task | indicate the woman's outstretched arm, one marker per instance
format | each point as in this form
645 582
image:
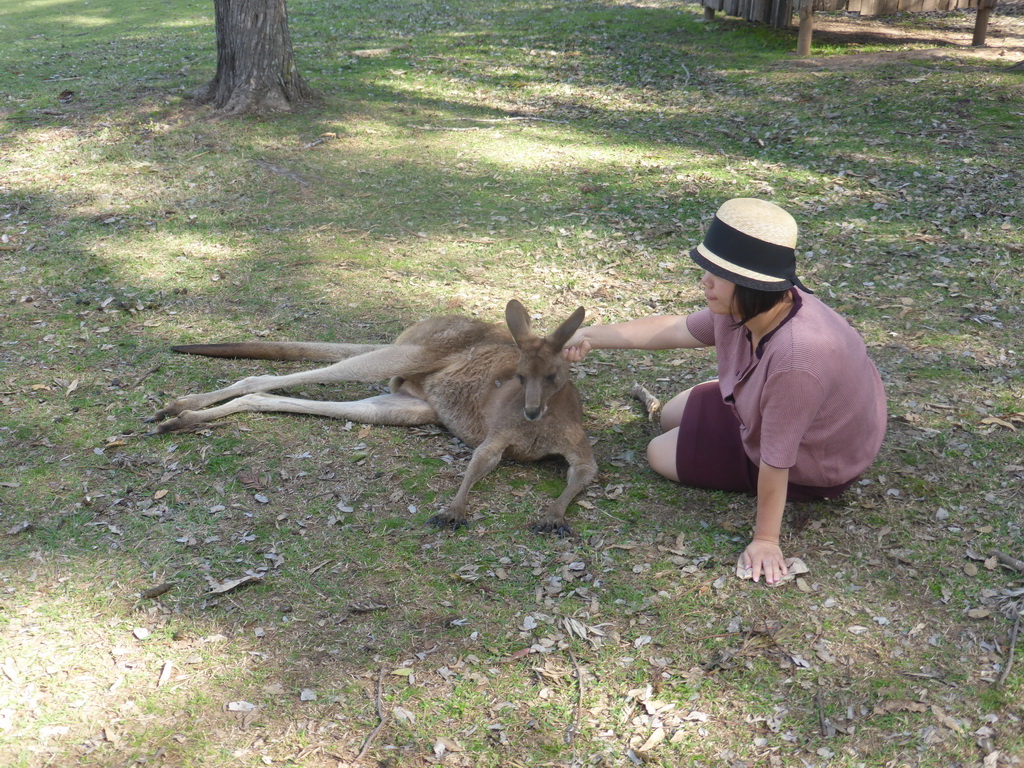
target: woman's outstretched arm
654 332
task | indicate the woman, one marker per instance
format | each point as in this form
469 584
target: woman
798 409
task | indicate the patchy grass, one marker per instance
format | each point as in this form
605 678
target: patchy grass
567 154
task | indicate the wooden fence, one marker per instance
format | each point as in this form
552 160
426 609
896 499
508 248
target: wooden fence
779 13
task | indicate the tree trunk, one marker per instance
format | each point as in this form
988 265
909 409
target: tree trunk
256 69
803 39
981 21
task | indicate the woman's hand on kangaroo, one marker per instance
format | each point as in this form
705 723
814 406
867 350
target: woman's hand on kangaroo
577 348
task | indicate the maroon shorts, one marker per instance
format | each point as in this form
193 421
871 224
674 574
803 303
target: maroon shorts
709 450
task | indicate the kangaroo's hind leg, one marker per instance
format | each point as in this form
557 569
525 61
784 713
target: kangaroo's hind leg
398 410
384 363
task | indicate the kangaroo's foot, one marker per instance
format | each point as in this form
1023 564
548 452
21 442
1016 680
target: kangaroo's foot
164 413
183 420
449 519
181 405
549 524
247 386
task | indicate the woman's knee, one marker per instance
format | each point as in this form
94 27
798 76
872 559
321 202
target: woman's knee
661 454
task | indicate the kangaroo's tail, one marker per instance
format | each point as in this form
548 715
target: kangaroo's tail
280 350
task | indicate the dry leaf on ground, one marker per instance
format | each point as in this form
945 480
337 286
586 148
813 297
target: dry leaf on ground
220 587
899 705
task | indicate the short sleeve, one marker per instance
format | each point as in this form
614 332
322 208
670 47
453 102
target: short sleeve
790 401
701 325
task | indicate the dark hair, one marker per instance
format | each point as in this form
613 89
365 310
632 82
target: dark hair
748 303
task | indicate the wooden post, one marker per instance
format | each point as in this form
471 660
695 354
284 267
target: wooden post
803 40
709 13
981 22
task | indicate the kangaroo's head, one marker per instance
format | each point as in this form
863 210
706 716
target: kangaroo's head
542 369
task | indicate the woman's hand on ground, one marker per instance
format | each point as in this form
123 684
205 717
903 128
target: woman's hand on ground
765 557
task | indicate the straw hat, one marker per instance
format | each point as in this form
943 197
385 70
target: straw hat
751 243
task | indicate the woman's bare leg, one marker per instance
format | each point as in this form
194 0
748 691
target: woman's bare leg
661 451
672 411
661 454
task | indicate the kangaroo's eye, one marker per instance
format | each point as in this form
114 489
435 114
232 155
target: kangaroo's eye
551 378
522 379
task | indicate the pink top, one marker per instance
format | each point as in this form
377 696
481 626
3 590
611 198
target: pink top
809 399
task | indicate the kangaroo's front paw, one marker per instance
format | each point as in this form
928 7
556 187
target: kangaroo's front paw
448 520
553 525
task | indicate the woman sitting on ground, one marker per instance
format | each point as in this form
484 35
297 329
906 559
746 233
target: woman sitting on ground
798 410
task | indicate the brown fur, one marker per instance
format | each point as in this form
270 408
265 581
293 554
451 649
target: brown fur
504 391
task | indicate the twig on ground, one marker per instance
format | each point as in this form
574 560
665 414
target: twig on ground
464 61
487 121
146 375
414 234
316 568
288 174
1011 648
951 130
155 592
926 676
380 717
706 582
1010 562
573 729
822 723
513 118
651 404
436 128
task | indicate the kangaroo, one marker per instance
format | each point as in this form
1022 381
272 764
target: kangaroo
502 390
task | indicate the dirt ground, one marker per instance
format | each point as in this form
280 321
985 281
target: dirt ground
950 34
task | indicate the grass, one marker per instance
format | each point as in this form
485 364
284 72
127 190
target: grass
567 154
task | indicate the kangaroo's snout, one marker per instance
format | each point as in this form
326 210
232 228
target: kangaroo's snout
534 412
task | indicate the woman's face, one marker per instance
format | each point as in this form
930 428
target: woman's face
718 293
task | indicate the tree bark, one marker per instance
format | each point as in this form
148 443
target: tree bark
256 69
981 21
803 39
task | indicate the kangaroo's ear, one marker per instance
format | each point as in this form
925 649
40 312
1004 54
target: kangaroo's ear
564 332
518 320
